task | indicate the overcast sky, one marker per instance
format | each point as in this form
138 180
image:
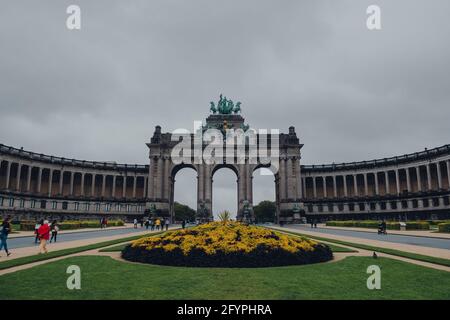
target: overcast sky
98 92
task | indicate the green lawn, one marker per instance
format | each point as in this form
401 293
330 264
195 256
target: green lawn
405 254
105 278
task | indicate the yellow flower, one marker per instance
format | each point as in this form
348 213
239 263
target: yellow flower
226 237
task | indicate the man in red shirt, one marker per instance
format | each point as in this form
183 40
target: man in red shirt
44 235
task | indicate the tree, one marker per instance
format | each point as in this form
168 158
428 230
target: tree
183 212
265 211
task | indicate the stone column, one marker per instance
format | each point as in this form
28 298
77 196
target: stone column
208 182
134 186
61 182
397 181
151 182
50 182
167 178
200 185
114 187
439 175
208 187
366 186
289 187
29 179
282 178
355 185
8 174
159 179
335 187
419 179
429 176
314 187
324 185
345 185
448 173
124 186
408 180
386 178
82 184
19 172
39 184
249 181
103 184
93 185
299 179
72 177
377 187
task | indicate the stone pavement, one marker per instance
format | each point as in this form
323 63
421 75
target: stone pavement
20 234
434 252
34 249
416 233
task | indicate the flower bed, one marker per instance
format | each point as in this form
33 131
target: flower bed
230 244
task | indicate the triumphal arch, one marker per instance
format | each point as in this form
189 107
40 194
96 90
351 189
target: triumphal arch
225 140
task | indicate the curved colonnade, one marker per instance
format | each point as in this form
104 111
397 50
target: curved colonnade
35 185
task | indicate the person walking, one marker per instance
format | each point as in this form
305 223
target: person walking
166 223
54 228
152 224
36 228
183 224
5 230
162 223
147 224
44 235
157 224
135 223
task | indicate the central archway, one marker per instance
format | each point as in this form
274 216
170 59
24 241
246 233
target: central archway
225 190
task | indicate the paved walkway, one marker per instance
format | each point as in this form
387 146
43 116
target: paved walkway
362 238
418 233
422 241
81 239
28 241
21 234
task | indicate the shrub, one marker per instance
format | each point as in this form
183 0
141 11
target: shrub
417 225
444 227
437 222
72 225
391 225
230 244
